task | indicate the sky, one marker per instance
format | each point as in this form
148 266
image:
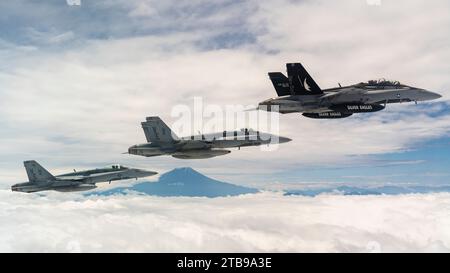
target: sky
77 80
78 77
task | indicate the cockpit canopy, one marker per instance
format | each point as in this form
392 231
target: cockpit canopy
380 83
383 82
248 131
240 133
118 167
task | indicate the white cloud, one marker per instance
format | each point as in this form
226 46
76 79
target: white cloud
265 222
49 37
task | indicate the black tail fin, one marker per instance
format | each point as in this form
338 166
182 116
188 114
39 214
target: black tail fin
300 81
281 83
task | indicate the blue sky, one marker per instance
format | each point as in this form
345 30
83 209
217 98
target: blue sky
76 81
426 165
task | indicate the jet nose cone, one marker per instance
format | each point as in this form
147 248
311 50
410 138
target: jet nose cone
148 173
432 96
284 139
152 173
437 96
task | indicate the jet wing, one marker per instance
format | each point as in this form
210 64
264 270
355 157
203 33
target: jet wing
329 97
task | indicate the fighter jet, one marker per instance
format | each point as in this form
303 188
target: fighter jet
41 180
162 141
299 93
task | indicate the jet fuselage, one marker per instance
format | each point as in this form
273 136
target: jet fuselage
206 145
352 99
299 93
41 180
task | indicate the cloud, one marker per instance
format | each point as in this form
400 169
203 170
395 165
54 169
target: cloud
119 19
267 222
39 37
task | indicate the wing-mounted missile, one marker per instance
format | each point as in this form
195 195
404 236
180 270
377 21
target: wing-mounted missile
357 108
327 115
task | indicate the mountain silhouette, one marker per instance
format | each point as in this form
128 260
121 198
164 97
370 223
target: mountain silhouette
183 182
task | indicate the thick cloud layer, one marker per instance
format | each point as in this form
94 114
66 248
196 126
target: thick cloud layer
264 222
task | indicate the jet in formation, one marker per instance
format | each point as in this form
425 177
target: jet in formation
41 180
299 93
162 141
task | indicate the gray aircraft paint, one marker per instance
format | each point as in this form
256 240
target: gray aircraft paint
39 179
298 93
162 141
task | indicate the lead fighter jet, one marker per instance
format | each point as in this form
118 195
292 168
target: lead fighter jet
299 93
162 141
41 180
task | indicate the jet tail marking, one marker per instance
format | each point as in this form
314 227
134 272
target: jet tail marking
36 173
156 130
300 82
280 83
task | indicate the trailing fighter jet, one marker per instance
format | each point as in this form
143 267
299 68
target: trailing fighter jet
300 93
41 180
162 141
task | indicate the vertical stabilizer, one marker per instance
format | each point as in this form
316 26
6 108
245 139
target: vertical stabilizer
156 130
36 173
300 82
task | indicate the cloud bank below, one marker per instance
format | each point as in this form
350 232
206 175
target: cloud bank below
266 222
